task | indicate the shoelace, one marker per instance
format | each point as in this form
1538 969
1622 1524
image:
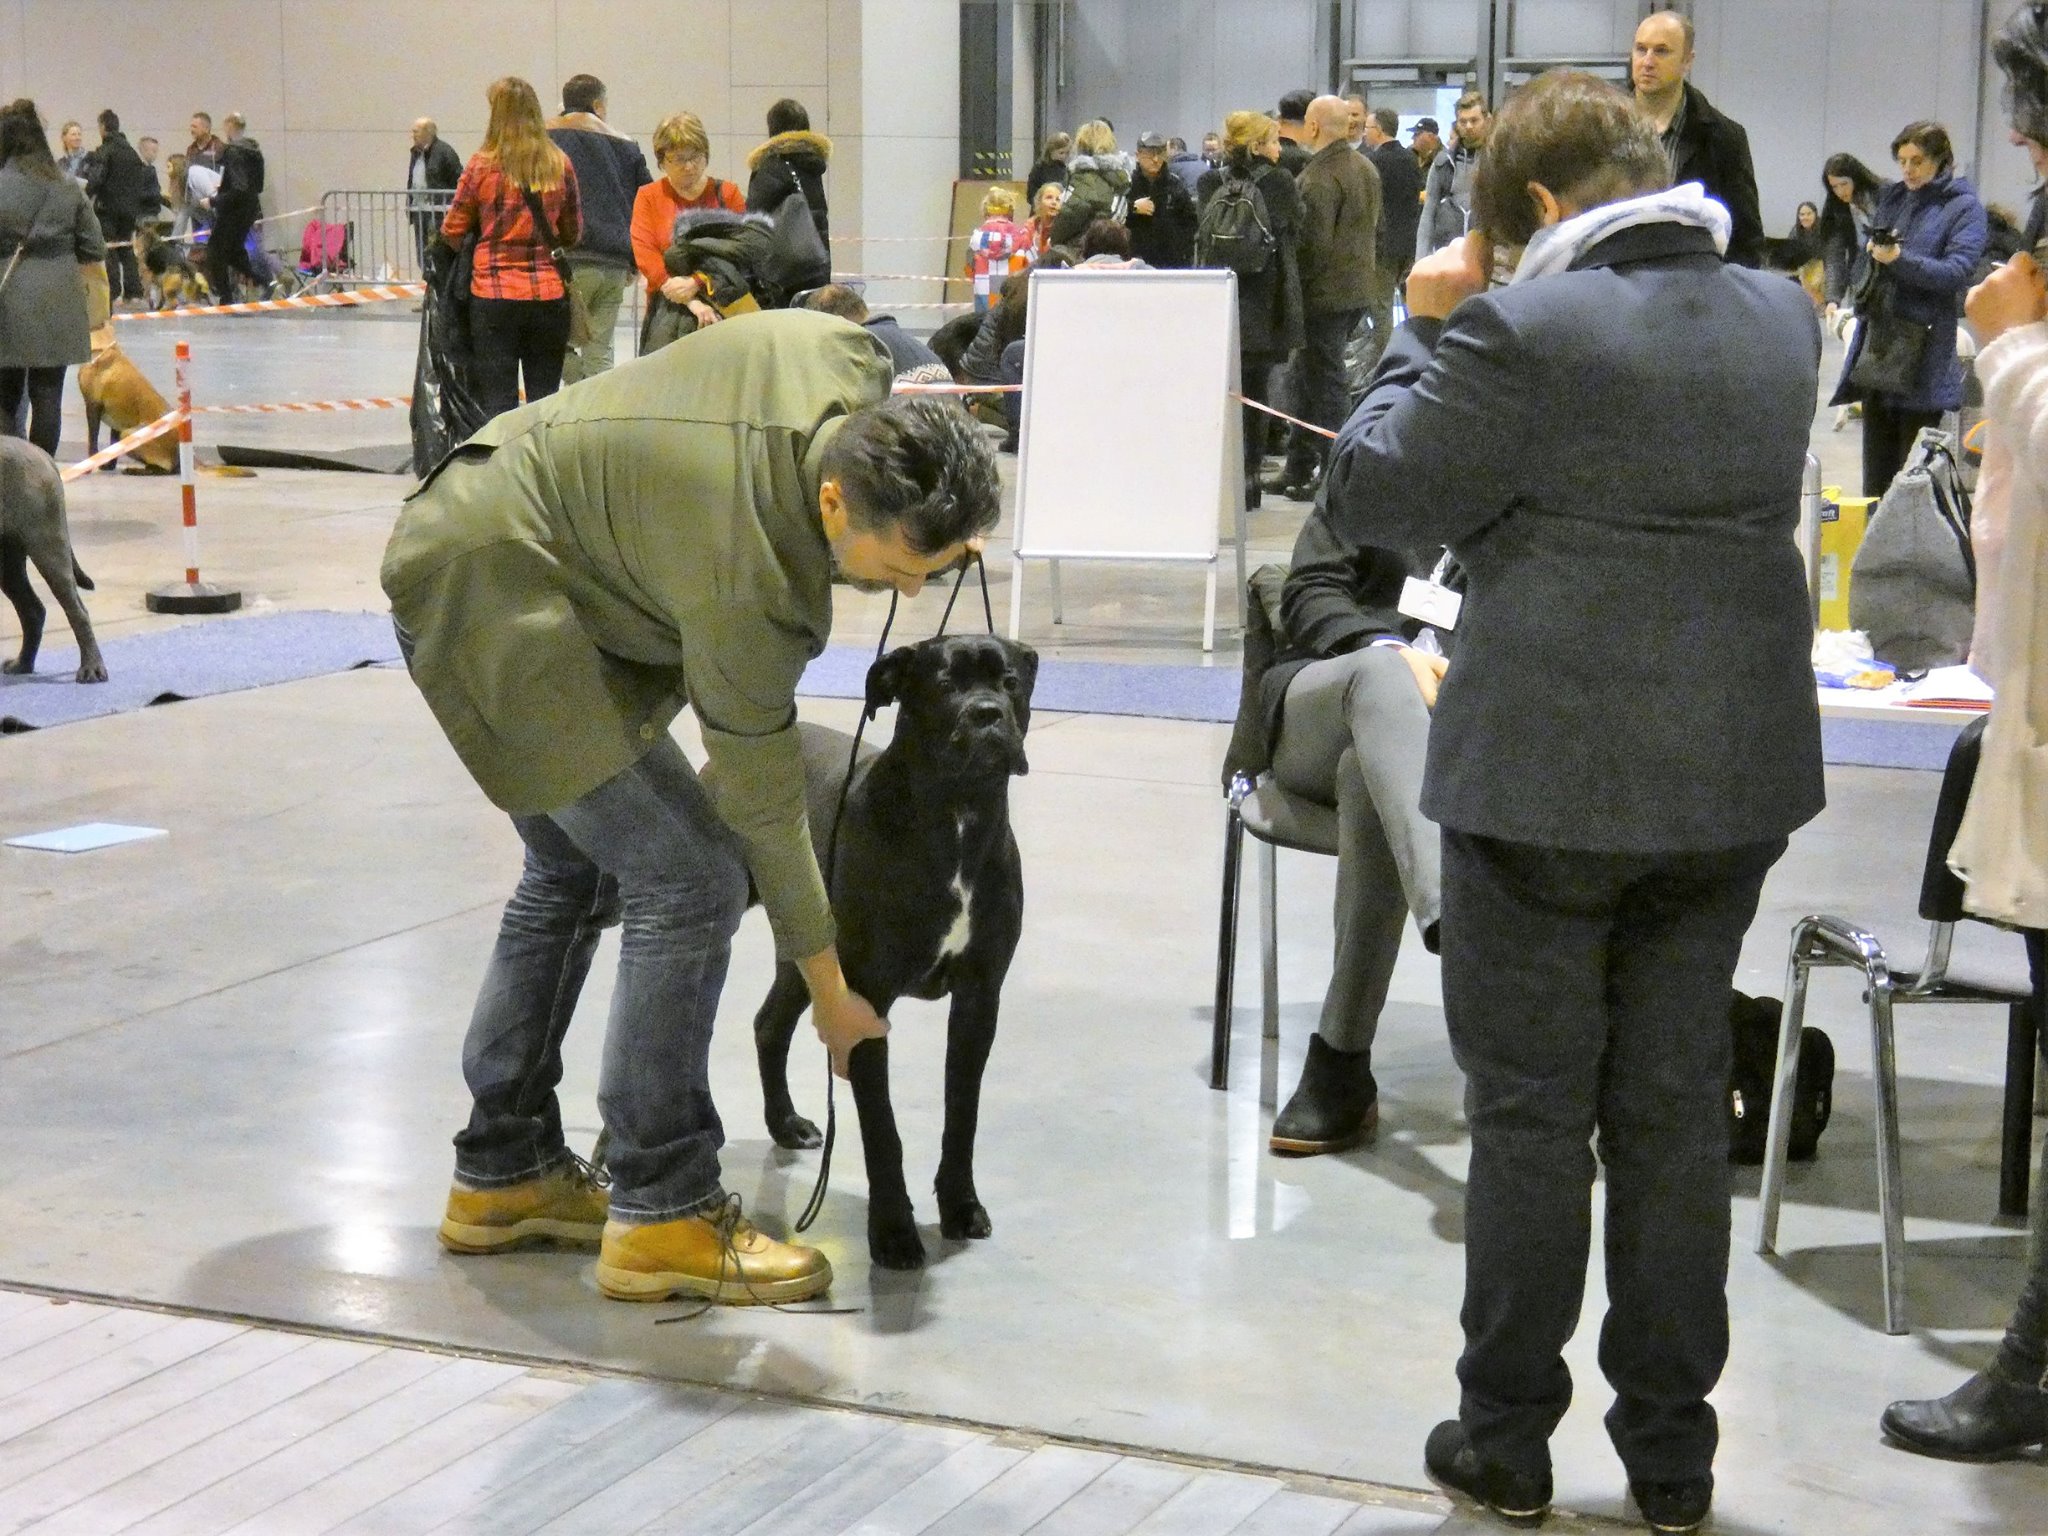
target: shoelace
730 1220
591 1170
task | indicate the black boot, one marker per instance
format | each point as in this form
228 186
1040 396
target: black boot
1984 1419
1335 1105
1674 1507
1519 1498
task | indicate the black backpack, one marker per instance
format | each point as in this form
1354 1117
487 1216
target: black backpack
1754 1022
1234 231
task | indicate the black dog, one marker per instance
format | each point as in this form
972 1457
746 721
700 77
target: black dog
929 895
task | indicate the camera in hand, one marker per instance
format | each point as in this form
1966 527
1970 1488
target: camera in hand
1883 234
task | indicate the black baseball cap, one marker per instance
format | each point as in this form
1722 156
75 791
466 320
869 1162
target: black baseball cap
1426 125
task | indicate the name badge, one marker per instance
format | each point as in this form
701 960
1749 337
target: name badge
1436 606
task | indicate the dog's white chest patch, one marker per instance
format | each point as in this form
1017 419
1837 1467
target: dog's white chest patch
957 937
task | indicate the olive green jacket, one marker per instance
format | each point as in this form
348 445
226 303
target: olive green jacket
586 565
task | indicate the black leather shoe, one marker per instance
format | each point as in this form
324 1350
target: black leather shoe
1336 1104
1680 1506
1296 487
1520 1498
1982 1420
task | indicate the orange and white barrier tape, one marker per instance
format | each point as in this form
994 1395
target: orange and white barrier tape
168 422
898 239
958 389
307 407
896 277
344 300
1292 421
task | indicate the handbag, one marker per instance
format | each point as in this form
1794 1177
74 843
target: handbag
797 259
1753 1023
1888 363
1913 584
579 310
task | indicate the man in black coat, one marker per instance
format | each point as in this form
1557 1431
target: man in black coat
1705 145
433 166
1400 212
236 208
119 184
1612 447
1162 209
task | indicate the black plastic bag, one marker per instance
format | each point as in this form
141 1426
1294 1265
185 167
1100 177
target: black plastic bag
445 412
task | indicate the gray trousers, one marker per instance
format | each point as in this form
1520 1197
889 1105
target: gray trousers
1354 734
603 290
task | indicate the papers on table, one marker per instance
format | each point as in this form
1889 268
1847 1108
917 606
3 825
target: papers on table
86 838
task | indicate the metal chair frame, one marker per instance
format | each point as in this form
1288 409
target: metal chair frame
1823 941
1234 830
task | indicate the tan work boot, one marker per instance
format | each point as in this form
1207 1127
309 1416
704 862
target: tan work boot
567 1204
719 1255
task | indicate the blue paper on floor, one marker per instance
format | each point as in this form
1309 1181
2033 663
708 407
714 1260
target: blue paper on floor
217 656
86 838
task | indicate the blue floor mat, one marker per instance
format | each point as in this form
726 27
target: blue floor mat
227 655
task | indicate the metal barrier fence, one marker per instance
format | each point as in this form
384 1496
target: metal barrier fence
386 232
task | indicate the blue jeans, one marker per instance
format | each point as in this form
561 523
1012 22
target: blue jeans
647 847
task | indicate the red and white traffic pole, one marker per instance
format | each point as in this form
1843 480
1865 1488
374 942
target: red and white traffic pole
192 595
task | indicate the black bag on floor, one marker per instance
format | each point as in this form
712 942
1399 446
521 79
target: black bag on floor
445 412
1755 1022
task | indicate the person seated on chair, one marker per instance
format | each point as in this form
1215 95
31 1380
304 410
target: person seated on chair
1347 703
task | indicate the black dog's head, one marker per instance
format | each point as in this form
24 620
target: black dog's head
965 701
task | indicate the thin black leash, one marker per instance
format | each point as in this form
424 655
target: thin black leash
816 1204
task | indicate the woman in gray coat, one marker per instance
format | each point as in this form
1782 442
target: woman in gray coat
45 326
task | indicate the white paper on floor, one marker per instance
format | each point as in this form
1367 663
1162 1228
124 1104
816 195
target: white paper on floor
86 838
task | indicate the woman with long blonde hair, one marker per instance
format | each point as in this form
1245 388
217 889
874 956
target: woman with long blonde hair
518 196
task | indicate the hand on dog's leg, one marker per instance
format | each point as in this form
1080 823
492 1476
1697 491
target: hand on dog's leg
970 1032
893 1241
774 1026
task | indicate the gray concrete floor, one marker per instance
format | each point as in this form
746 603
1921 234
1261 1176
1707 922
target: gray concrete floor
229 1068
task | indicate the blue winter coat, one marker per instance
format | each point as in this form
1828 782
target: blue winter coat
1942 234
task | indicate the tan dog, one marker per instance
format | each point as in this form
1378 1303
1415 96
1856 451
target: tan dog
116 393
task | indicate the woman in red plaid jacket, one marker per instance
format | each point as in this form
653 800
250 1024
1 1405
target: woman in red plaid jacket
519 303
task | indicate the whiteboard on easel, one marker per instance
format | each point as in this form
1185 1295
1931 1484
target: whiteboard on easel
1130 445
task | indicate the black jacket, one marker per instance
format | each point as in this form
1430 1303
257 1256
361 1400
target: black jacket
791 162
1340 596
1632 672
1400 204
1294 155
1166 236
1269 312
241 173
444 166
119 186
1041 173
1713 150
610 171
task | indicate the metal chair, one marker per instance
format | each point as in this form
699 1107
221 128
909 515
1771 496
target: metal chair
1822 941
1275 819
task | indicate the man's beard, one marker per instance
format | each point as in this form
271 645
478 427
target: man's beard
858 583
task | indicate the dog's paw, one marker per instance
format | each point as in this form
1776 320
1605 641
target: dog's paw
893 1243
795 1132
968 1218
93 672
16 667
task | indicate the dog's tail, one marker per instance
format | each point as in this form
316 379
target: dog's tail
83 581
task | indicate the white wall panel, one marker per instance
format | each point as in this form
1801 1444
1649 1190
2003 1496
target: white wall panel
374 64
674 58
777 42
13 48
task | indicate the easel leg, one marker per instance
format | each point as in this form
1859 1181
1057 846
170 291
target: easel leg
1059 607
1016 595
1209 605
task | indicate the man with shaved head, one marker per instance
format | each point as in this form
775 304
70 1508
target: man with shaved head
1705 145
435 167
1340 199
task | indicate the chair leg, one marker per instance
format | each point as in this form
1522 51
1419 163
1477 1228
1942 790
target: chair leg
1890 1185
1226 949
1778 1143
2017 1134
1269 938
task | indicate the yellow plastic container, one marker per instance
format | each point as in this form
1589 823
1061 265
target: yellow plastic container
1842 523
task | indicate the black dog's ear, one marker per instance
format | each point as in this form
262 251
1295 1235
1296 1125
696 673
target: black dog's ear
887 677
1025 660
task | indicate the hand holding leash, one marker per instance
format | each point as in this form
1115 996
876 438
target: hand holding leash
843 1020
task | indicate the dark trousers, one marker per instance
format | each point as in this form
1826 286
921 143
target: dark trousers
1888 435
44 389
2023 1357
1254 382
1588 993
1325 399
232 221
515 337
124 277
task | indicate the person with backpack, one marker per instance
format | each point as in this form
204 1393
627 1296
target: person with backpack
236 207
518 193
1250 223
1099 186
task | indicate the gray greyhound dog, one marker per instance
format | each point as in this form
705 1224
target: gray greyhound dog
33 528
